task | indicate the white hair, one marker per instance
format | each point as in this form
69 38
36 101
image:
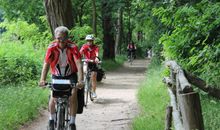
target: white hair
61 29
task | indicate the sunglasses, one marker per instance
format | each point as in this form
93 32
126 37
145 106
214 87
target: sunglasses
62 39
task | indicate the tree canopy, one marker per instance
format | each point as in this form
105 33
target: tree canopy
186 31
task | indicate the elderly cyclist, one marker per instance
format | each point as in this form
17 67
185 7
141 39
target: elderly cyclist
64 60
90 51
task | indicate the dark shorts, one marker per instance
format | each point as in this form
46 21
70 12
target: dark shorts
93 67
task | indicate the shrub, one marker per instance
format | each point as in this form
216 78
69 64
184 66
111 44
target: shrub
19 63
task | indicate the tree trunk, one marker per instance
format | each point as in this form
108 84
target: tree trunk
129 35
119 31
59 12
94 18
108 39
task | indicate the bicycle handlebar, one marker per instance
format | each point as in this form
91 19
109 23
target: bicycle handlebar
60 82
91 61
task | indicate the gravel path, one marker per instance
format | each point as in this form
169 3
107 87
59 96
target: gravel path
115 105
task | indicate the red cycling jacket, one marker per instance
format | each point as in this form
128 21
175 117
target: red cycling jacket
62 61
90 51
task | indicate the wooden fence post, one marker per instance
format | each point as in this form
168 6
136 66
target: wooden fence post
177 123
191 111
168 120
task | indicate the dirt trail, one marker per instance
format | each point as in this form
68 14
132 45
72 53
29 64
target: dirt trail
115 105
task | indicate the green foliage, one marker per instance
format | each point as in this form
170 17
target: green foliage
78 35
193 38
149 25
19 63
21 31
29 11
20 104
18 30
153 98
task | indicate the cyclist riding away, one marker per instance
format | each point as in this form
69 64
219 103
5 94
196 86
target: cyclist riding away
131 48
90 51
64 60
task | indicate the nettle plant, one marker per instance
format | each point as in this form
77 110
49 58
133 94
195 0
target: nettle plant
193 39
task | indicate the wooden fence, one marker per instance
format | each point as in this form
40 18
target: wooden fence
185 107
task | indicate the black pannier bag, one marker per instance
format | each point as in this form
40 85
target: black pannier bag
100 74
80 98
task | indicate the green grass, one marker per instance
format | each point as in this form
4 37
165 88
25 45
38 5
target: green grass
210 112
20 104
110 65
153 99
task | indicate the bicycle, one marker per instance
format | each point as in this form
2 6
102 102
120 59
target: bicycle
131 57
87 81
62 91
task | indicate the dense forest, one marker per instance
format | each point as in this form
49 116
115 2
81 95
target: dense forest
181 30
186 31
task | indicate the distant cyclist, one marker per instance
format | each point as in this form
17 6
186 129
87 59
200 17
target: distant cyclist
90 51
131 48
64 60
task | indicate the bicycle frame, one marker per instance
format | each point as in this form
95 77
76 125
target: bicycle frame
62 105
131 57
88 87
87 80
62 113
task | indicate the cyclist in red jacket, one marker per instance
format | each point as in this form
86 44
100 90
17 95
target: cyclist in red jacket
64 60
90 51
131 48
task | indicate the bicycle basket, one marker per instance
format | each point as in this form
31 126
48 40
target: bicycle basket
61 88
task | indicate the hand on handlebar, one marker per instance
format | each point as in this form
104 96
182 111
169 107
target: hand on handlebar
92 61
97 60
80 84
42 83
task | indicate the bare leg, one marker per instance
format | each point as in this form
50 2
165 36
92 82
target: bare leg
73 102
52 107
94 81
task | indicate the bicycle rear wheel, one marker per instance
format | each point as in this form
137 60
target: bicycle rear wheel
60 118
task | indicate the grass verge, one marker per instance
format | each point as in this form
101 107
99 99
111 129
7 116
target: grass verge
153 99
20 104
110 64
210 112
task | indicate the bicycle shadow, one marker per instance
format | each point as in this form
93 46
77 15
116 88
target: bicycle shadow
107 101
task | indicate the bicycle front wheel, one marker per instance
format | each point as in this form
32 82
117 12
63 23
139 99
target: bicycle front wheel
86 92
60 118
90 91
131 59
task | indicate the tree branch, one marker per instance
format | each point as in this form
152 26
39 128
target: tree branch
198 82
